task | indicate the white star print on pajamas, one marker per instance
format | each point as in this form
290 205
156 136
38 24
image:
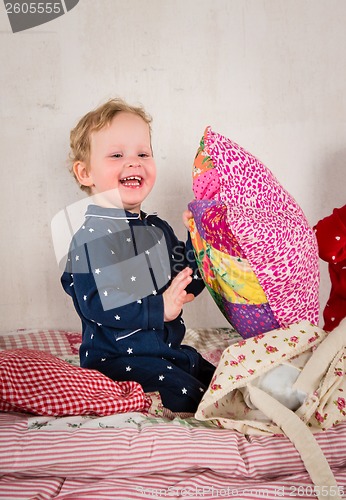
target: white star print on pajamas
114 266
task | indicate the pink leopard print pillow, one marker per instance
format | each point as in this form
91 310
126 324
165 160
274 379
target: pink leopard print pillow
255 249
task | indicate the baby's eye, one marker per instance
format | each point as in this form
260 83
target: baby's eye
143 155
116 155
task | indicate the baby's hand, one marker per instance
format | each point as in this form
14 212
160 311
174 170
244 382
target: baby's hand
187 215
176 296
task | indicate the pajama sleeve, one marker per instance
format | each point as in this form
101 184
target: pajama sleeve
183 256
112 290
197 284
145 313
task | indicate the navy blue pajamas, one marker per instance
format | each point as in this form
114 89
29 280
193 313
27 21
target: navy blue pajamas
118 266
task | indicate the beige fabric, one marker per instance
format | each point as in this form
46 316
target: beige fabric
321 359
311 454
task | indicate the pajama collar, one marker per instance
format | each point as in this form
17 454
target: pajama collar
114 213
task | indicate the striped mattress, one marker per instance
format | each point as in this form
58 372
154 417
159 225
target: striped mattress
140 456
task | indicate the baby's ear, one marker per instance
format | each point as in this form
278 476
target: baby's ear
82 173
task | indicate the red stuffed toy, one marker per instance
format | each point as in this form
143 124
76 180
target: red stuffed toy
331 238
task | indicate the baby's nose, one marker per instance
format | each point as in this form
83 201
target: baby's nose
133 162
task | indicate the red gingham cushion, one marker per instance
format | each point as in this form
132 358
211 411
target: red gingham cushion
39 383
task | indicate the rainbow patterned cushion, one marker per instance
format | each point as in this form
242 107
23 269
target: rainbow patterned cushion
255 249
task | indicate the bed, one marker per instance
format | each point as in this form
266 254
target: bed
147 454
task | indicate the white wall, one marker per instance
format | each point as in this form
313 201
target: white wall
270 74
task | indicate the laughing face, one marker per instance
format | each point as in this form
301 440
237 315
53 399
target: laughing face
121 170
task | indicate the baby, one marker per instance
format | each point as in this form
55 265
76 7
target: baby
127 273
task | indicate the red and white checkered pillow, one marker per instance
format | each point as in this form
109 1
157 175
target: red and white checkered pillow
38 382
61 343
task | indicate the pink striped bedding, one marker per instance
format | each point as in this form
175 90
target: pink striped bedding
137 456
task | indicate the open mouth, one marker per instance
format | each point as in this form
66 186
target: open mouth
131 181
